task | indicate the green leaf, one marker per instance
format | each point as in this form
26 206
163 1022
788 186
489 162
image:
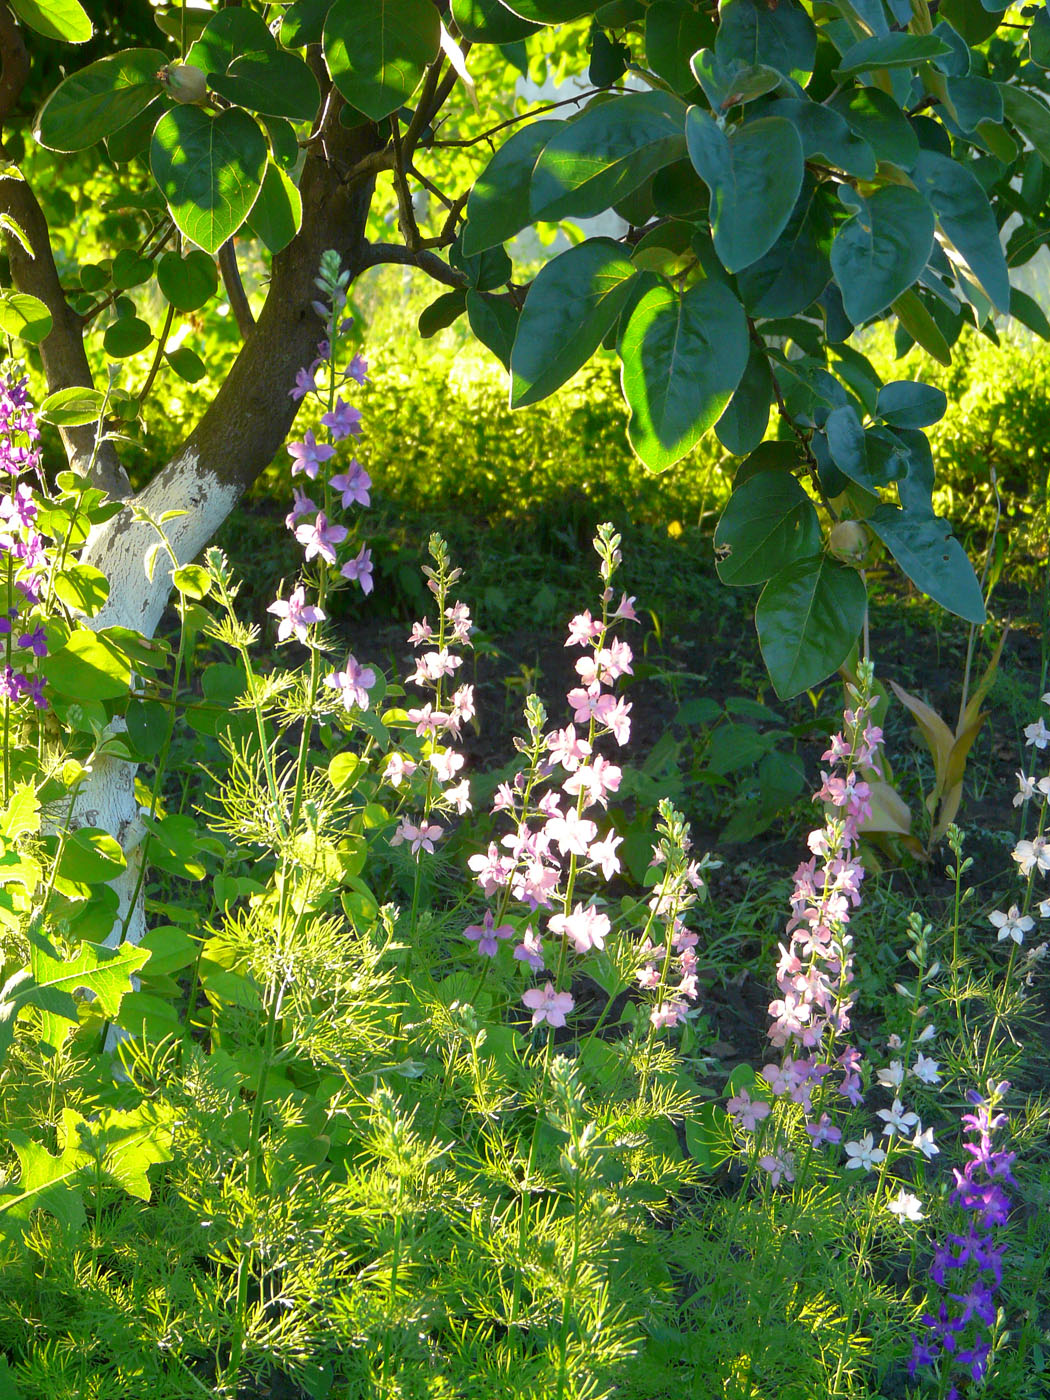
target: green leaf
64 20
498 203
932 558
754 177
881 249
826 136
877 119
274 84
920 325
673 33
90 856
551 11
907 404
574 301
376 53
128 336
490 22
781 36
709 1137
1030 115
808 618
871 457
590 163
72 408
683 356
743 424
768 524
890 51
495 323
975 100
209 170
734 83
130 270
485 271
448 307
233 31
187 364
303 23
792 275
82 587
192 580
99 99
965 215
189 282
24 317
88 666
277 214
1029 313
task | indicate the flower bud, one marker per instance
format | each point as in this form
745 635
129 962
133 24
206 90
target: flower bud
848 541
184 82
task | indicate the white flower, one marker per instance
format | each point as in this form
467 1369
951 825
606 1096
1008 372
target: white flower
925 1143
894 1042
1013 924
1025 789
892 1077
905 1206
927 1071
1032 854
1043 908
864 1154
927 1033
897 1120
1037 734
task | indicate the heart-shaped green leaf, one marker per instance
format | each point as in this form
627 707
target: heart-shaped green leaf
209 170
100 99
807 619
377 52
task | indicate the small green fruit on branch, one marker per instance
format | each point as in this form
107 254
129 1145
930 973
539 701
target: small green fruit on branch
849 541
184 82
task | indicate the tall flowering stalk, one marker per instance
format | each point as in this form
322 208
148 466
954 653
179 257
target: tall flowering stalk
815 971
24 560
967 1266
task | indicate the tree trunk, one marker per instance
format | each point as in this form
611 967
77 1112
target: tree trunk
236 439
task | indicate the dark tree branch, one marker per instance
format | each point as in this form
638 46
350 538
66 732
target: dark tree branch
65 362
15 61
377 254
235 293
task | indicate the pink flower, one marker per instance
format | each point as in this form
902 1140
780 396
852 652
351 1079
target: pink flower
399 767
353 484
667 1014
353 683
320 537
491 870
459 796
778 1164
583 629
625 609
446 764
301 505
530 950
596 780
566 749
487 933
418 837
343 421
603 854
548 1005
747 1112
304 384
309 454
427 720
296 615
587 927
421 632
572 832
360 570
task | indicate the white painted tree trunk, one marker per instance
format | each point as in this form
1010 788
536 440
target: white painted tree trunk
120 548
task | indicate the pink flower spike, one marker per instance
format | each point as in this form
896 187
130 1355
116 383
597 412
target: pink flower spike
548 1005
360 570
296 615
319 537
309 454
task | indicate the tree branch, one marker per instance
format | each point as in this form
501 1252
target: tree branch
65 362
377 254
15 62
235 293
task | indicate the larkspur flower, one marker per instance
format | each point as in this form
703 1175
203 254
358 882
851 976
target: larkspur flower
748 1112
905 1206
296 615
353 683
1013 924
308 455
530 950
863 1155
359 570
548 1005
487 934
319 537
343 421
418 838
353 485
